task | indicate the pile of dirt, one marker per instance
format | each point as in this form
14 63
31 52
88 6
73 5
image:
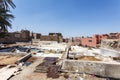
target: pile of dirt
89 58
44 66
8 59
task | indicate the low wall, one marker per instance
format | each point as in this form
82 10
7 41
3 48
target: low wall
92 67
109 52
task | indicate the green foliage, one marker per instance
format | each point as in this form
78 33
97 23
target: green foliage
6 4
5 16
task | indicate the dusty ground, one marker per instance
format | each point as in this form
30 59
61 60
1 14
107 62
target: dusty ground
29 74
8 59
82 76
89 58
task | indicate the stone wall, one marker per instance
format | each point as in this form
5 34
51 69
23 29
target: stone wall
12 37
103 69
50 37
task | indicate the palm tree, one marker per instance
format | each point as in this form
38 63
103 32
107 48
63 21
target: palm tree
5 15
5 19
6 4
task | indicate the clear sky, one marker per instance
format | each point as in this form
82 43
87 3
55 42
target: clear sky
70 17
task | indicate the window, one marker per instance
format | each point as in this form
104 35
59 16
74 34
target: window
90 40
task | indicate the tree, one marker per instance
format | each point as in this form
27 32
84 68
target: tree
5 14
5 19
6 4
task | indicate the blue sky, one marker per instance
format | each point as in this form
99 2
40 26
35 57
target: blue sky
70 17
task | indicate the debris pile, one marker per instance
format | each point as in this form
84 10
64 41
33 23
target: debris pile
49 66
53 71
113 44
43 67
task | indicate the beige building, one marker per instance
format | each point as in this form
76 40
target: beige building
50 37
12 37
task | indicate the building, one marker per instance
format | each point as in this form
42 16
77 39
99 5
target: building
12 37
111 36
50 37
95 40
77 40
35 35
91 41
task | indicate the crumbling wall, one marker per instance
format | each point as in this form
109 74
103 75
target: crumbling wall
113 44
97 68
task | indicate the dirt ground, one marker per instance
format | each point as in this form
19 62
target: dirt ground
8 59
28 74
89 58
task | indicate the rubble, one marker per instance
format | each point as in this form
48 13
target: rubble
45 65
71 64
113 44
53 71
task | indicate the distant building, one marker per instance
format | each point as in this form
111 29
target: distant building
77 40
50 37
70 40
65 40
104 36
91 41
95 40
35 35
12 37
111 36
25 34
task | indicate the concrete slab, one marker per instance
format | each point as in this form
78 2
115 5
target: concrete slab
6 72
103 69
